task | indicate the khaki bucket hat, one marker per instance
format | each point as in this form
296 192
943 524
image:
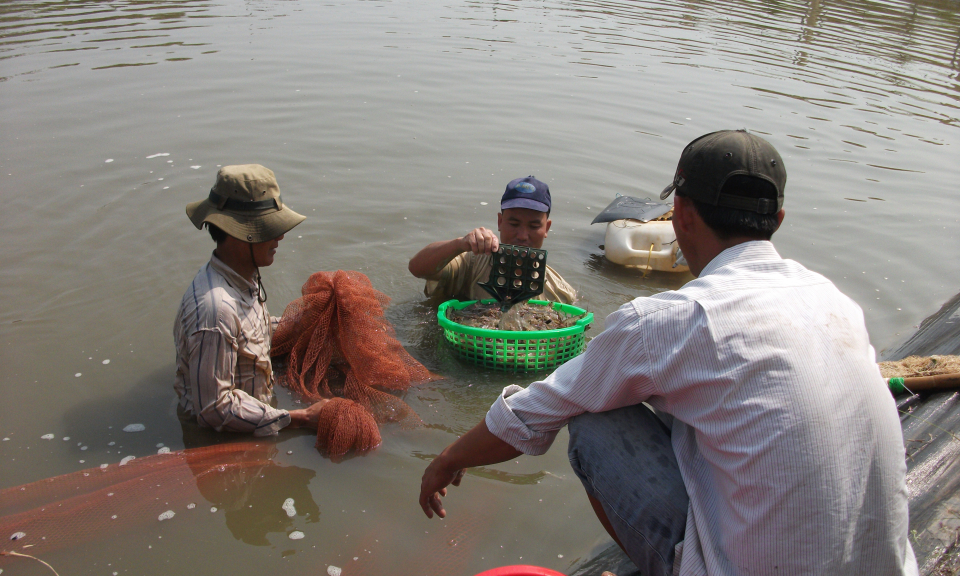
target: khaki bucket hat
245 203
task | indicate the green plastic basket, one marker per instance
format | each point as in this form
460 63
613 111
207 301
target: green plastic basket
515 350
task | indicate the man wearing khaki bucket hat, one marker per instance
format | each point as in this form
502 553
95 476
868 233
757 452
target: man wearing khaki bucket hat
223 331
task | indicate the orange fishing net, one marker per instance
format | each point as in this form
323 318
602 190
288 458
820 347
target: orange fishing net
334 342
101 502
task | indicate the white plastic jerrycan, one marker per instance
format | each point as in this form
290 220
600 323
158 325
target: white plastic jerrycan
646 245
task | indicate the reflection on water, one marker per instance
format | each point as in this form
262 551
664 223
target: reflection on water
392 124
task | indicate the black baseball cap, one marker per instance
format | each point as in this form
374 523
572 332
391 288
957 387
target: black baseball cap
526 193
709 161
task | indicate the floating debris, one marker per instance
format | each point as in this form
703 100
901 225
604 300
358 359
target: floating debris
289 508
296 535
213 508
134 428
17 536
191 506
47 437
66 438
523 316
77 375
163 450
126 459
166 515
157 155
334 570
103 466
107 361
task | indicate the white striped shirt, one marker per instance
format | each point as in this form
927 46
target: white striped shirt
787 439
222 334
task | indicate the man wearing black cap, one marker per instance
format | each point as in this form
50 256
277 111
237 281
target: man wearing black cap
452 268
223 330
773 445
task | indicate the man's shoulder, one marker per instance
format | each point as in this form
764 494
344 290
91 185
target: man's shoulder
208 301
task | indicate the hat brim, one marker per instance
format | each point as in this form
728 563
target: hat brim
253 227
524 203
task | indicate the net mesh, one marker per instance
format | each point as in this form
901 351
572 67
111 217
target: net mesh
334 342
101 502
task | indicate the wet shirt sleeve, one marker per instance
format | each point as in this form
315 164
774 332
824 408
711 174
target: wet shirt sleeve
212 362
610 374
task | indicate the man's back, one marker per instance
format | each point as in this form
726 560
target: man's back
787 440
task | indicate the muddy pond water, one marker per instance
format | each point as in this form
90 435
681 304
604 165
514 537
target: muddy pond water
391 124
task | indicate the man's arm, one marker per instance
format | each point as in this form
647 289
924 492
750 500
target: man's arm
427 263
478 447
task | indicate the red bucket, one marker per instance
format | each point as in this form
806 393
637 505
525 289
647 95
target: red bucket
520 570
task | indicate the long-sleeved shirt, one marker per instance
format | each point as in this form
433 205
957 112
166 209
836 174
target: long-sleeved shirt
787 439
222 335
458 279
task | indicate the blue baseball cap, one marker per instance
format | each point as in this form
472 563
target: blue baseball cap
526 193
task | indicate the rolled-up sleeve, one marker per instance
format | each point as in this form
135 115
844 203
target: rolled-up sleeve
212 362
610 374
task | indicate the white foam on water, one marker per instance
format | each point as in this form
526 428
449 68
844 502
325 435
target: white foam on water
103 466
66 438
483 203
78 374
213 508
333 570
166 515
157 155
134 428
84 447
296 535
82 461
17 535
163 450
114 517
106 361
111 443
6 439
191 506
195 167
289 508
126 459
47 437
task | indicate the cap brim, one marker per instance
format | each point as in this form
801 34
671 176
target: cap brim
524 203
250 227
666 191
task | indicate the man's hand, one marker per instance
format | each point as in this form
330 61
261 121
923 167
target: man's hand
307 417
480 241
478 447
434 484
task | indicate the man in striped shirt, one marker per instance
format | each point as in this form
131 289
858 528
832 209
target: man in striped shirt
773 446
223 331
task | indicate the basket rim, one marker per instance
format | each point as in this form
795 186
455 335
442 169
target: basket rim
577 328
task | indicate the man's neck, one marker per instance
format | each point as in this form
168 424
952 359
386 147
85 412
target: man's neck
238 257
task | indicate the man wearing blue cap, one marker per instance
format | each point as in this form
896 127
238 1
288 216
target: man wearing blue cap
452 268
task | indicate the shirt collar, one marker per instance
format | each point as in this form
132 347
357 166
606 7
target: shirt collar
743 252
234 279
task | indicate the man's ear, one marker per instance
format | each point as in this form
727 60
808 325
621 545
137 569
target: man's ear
683 213
546 228
779 219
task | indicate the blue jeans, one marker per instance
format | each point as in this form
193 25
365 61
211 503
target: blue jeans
625 460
